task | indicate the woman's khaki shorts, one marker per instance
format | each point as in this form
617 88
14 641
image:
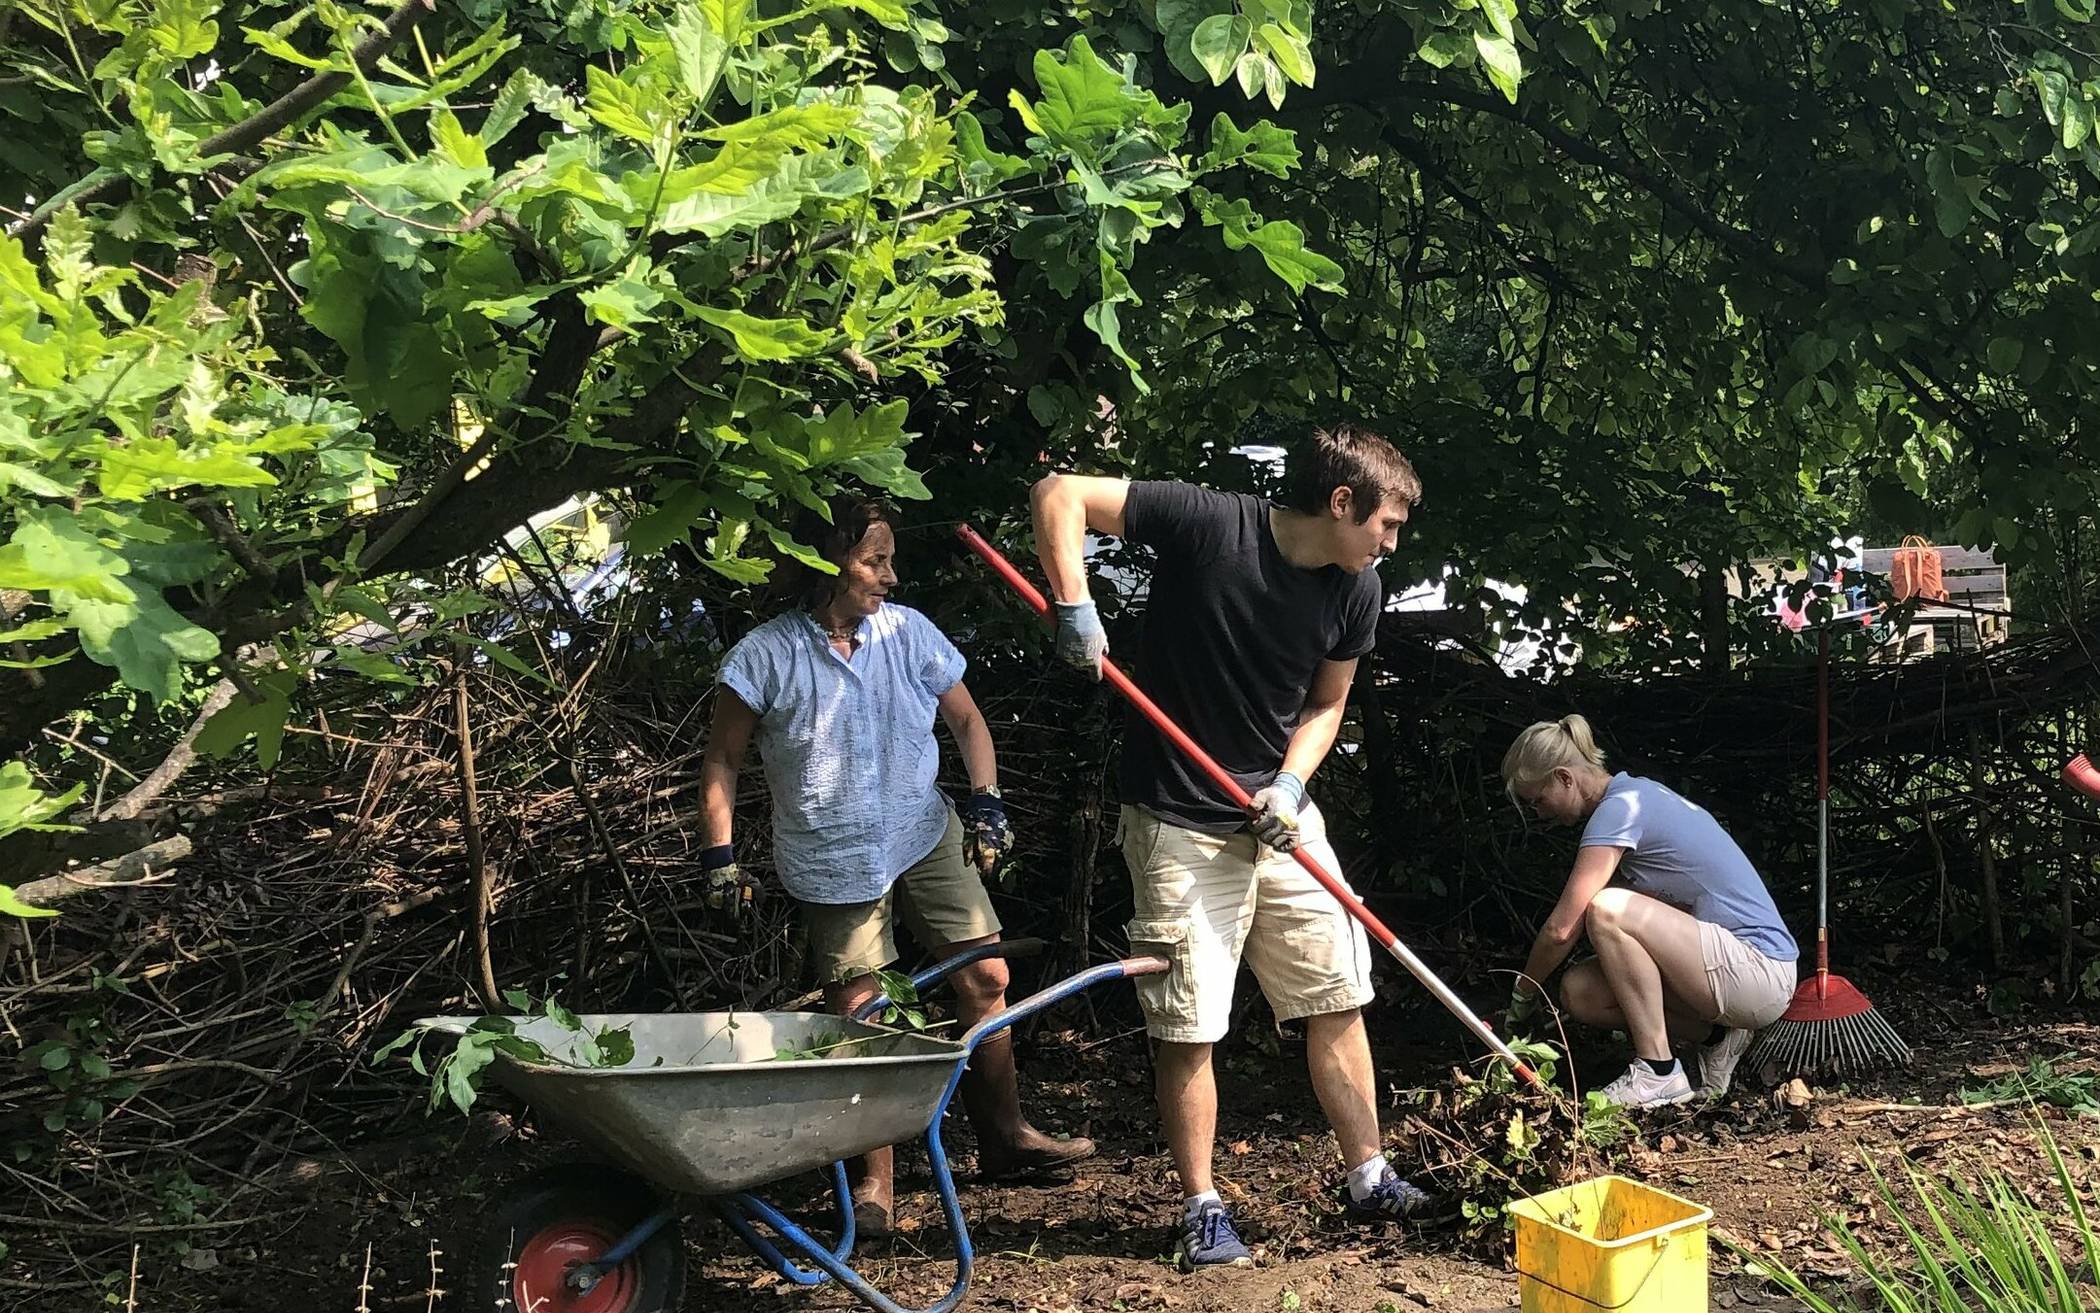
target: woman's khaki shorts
940 899
1750 989
1204 899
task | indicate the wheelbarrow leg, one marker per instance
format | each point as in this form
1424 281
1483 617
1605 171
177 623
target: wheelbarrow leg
733 1210
834 1264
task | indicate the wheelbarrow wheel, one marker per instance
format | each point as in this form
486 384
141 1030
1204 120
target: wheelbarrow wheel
566 1216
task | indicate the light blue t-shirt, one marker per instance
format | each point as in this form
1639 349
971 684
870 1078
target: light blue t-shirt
1677 852
848 747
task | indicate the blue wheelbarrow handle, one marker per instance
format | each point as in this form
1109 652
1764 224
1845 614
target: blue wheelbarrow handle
940 971
1126 969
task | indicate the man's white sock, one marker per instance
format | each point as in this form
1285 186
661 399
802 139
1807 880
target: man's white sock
1363 1178
1194 1203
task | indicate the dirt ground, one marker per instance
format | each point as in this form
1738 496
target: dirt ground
372 1225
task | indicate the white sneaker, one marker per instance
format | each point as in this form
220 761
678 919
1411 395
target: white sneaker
1642 1088
1717 1061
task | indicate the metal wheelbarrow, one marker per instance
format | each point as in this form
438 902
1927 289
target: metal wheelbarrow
715 1104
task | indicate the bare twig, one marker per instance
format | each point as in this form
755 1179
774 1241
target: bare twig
175 763
477 858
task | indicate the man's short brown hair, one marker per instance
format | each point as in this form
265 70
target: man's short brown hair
1350 455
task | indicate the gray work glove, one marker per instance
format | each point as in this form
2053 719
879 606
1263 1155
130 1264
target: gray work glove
1081 641
1274 812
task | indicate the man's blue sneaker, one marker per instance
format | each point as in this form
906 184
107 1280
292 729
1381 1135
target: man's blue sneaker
1208 1240
1395 1198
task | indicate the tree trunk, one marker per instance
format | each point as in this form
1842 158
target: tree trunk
1713 617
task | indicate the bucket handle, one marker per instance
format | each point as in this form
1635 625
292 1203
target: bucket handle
1662 1243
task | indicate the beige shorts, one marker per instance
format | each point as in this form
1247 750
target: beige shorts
1202 900
940 899
1750 989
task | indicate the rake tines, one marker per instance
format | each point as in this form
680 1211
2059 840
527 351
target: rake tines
1829 1028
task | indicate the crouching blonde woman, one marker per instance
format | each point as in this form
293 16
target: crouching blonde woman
1688 944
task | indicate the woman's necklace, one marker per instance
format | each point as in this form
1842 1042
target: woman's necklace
840 634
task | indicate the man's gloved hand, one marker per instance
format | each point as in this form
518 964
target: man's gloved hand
1081 641
724 887
1523 1006
1274 812
987 837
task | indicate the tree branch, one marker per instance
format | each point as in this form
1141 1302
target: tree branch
133 868
174 764
106 184
1745 245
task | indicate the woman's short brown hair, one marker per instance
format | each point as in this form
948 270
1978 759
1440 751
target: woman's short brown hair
852 516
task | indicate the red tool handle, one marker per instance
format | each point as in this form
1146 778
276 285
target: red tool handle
2082 775
1224 780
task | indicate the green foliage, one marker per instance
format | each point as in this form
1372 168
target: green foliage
2043 1082
904 1006
76 1068
696 253
1974 1241
24 806
456 1075
1487 1142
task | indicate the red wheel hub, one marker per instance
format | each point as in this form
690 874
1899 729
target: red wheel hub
540 1281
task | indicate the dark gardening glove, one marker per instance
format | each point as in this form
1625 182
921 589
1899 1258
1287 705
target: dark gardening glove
987 837
724 887
1081 641
1273 813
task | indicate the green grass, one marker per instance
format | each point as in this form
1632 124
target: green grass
1980 1246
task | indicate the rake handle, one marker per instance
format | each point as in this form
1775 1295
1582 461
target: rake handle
1823 813
1232 789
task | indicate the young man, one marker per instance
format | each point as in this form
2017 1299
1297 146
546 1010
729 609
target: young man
1257 616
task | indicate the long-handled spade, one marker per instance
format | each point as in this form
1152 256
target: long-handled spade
1218 775
1830 1026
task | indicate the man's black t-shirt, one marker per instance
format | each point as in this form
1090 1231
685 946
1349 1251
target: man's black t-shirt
1233 636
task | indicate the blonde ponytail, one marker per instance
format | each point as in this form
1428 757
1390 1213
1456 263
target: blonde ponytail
1546 747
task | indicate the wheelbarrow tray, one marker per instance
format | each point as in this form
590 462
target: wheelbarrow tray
707 1107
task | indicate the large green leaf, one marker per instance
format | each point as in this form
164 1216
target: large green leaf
24 806
1265 147
846 433
629 108
51 551
1177 21
1084 100
264 720
1498 55
768 339
798 179
145 640
1218 43
701 49
669 520
136 470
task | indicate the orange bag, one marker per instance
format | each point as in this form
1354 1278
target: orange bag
1914 571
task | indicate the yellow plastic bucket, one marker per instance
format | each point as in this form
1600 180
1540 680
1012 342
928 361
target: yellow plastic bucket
1611 1243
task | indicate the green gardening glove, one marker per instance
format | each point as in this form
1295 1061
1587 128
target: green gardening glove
1523 1006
